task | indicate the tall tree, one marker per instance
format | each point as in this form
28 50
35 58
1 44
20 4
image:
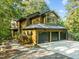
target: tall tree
72 22
72 4
15 9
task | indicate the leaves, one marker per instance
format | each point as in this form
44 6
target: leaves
15 9
72 23
72 4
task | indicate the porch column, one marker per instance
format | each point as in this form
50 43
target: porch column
19 27
44 20
39 20
34 37
37 36
66 35
12 33
50 36
59 35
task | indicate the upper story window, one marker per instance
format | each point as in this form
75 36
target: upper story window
36 21
51 18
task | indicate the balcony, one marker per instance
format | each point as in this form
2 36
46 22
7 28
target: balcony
14 25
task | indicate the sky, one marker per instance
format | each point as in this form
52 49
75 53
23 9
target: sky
58 6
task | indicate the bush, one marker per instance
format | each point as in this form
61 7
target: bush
24 39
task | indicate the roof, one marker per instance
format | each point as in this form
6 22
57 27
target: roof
44 26
29 16
41 13
36 14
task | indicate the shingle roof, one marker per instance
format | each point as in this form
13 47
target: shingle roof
41 13
37 14
29 16
44 26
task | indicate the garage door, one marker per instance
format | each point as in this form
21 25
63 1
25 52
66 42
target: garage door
54 36
43 37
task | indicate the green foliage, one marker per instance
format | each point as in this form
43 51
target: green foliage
15 9
61 22
72 23
72 4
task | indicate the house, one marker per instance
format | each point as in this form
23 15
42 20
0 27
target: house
37 26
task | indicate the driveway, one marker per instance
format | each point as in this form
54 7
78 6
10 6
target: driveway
65 47
54 50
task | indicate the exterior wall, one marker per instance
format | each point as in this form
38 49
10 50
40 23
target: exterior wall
34 36
40 19
32 21
14 34
23 24
36 20
51 18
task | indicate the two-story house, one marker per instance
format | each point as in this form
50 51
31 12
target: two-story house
37 26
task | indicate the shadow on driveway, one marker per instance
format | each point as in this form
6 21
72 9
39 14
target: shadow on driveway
55 56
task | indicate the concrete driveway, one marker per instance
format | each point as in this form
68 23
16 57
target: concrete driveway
65 47
54 50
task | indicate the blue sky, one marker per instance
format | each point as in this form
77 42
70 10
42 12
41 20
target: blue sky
58 6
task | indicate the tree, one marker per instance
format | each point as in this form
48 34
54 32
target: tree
15 9
72 4
72 22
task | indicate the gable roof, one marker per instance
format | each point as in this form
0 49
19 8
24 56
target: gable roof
44 26
36 14
29 16
48 11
